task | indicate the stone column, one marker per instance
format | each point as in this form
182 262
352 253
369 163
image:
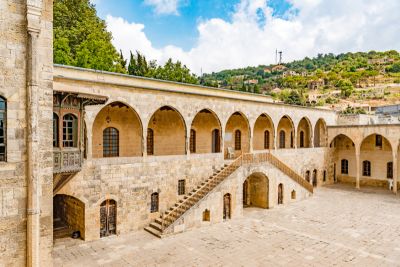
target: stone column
358 167
276 140
395 170
144 142
33 205
188 141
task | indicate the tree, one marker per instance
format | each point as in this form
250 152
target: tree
346 88
81 38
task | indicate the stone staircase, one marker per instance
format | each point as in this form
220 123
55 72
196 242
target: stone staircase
160 225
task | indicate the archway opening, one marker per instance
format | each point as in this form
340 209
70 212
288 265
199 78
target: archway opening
263 137
376 160
304 133
344 159
205 133
320 134
237 135
117 132
68 217
167 132
286 133
255 191
108 218
315 178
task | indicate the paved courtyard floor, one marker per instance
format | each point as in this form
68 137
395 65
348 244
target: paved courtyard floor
338 226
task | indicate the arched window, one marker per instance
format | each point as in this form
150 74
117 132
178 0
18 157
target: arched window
70 131
324 176
282 139
150 141
293 194
110 142
206 215
389 170
192 141
3 120
154 202
238 140
301 139
308 176
266 140
55 130
366 168
345 166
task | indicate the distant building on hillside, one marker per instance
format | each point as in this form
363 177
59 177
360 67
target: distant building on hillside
253 81
316 84
393 110
267 70
376 61
289 73
279 68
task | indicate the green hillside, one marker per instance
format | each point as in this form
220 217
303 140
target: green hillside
328 78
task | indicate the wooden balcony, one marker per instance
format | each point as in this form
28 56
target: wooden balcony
67 160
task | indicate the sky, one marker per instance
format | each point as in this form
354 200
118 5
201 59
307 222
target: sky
213 35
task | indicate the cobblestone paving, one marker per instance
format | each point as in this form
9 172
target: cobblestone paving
338 226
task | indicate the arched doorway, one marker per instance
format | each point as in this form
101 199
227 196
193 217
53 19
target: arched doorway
314 179
304 133
263 137
308 176
320 136
255 191
227 206
68 216
280 194
286 132
117 132
237 135
167 132
108 218
206 127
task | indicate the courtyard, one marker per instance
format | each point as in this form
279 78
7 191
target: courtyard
338 226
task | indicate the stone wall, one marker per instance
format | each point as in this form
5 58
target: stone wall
131 181
233 185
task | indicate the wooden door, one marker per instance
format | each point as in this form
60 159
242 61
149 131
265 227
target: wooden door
227 206
108 218
280 194
216 144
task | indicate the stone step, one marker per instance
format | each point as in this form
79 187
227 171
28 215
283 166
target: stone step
153 231
156 226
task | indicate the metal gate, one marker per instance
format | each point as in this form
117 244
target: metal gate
108 218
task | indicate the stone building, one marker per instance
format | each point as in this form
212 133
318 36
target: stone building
107 154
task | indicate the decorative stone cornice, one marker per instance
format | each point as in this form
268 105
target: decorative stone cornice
33 14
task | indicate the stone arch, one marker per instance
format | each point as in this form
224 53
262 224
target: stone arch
169 132
126 120
263 133
237 122
378 150
207 127
345 149
68 216
320 134
304 133
256 191
286 126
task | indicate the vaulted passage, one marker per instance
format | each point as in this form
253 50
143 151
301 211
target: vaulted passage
237 135
285 133
255 191
304 133
205 133
117 132
68 216
320 134
166 134
263 137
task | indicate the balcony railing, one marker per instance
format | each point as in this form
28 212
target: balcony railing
67 160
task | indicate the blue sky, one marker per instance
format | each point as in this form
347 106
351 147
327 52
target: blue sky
176 29
212 35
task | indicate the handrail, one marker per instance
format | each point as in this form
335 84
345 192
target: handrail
243 159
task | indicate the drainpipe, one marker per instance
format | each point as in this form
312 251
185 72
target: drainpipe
32 142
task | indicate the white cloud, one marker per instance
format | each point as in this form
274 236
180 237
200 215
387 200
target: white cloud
312 27
164 6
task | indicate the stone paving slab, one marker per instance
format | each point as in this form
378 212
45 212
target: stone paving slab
338 226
